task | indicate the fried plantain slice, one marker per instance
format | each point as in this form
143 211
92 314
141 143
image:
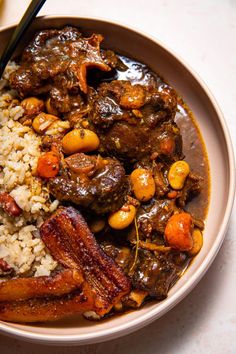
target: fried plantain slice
72 244
45 309
101 283
25 288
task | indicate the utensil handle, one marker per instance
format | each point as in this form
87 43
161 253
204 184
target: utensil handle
26 20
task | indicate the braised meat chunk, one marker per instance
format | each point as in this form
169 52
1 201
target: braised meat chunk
56 61
135 121
91 182
156 272
191 188
137 142
150 104
152 218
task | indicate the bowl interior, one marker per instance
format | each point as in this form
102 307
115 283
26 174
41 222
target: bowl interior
138 46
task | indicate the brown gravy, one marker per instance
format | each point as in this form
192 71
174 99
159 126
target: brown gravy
193 144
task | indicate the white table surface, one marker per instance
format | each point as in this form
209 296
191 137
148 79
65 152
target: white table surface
203 32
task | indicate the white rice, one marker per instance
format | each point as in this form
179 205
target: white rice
20 244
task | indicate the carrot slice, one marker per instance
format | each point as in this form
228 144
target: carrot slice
178 231
48 165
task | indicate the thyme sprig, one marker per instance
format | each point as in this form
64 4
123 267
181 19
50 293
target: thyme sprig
136 246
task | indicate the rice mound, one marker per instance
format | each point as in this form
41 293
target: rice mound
20 243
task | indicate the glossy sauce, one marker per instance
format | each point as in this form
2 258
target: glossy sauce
193 145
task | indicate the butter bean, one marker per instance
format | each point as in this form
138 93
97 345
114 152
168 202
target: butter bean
97 225
58 127
122 218
42 122
143 184
80 140
32 105
178 173
197 242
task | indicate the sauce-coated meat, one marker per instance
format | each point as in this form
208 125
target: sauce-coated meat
135 121
154 272
121 100
157 272
91 182
154 216
58 59
136 142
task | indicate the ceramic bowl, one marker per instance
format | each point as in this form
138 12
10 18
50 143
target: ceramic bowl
212 125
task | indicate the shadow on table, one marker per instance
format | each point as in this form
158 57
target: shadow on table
165 335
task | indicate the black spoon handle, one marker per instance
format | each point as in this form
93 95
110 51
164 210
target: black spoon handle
26 20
